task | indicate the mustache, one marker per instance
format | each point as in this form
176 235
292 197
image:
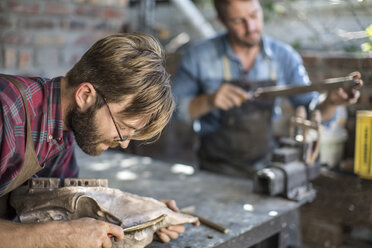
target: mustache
110 144
114 145
251 32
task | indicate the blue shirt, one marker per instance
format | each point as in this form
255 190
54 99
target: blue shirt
201 71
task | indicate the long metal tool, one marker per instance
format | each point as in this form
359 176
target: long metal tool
144 225
286 90
209 223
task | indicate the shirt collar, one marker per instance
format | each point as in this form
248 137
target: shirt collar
266 48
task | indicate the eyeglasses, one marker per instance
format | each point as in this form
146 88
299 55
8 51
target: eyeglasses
121 138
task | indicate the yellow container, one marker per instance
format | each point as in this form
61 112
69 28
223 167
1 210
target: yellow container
363 144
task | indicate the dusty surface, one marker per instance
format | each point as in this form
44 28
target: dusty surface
226 201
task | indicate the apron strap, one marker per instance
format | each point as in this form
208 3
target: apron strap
31 164
226 68
227 71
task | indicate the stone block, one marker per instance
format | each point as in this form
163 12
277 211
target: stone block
115 13
47 39
89 10
36 23
16 38
24 7
10 57
47 57
24 58
5 22
115 3
73 24
57 9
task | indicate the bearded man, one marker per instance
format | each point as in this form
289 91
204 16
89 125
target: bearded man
212 85
117 92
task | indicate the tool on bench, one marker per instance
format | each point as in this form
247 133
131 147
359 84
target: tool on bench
190 211
295 162
209 223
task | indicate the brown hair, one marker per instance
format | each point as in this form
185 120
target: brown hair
220 6
124 65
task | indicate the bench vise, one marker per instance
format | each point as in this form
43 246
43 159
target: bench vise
295 163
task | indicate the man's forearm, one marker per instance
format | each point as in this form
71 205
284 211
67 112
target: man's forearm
84 232
200 106
18 235
327 109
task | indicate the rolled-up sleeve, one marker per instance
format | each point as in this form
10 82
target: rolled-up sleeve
298 76
185 85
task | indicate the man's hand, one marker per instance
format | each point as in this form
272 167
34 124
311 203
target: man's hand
339 97
91 233
171 232
85 232
343 97
229 96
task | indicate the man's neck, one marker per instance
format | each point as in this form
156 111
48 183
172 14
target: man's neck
246 54
66 96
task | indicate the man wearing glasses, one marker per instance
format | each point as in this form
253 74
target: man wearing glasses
118 91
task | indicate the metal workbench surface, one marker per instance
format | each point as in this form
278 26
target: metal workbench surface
227 201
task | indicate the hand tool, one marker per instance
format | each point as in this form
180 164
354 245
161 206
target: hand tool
142 225
288 90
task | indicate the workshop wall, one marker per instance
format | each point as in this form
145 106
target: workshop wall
322 65
44 37
325 65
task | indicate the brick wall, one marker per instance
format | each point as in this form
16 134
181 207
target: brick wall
46 37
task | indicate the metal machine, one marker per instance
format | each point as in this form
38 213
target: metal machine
295 163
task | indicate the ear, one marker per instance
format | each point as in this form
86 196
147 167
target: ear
85 96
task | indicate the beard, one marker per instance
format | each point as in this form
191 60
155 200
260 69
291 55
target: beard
246 42
85 130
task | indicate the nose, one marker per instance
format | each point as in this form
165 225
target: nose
124 144
249 24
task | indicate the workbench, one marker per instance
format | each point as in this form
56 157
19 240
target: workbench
341 215
251 218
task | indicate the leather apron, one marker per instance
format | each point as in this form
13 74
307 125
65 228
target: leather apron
243 141
30 165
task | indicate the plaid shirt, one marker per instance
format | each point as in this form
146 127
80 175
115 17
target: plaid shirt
54 147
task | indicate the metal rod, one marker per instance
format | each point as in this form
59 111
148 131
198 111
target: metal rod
288 90
208 223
